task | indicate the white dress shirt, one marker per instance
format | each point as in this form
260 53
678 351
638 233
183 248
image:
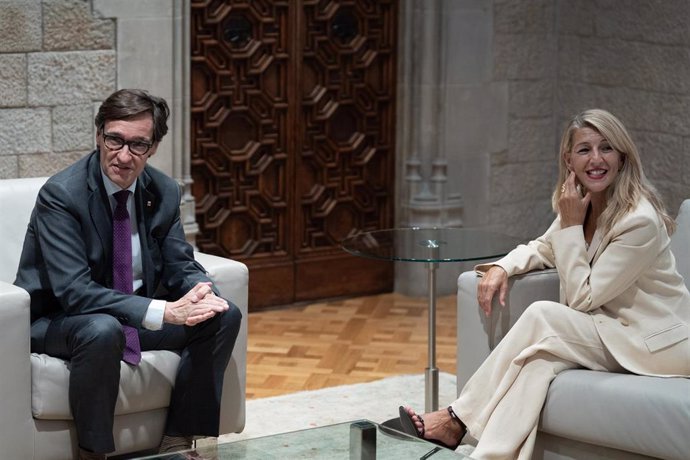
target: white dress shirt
154 314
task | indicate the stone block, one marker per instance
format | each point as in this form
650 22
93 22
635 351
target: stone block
69 25
73 128
12 80
576 17
664 113
575 97
525 16
672 195
24 130
647 66
569 59
137 9
526 219
9 168
46 164
71 77
661 155
651 21
20 26
515 182
524 56
640 110
531 139
531 98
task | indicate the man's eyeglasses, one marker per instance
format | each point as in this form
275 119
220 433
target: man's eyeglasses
137 148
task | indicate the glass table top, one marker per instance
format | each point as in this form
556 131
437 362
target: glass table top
437 244
360 439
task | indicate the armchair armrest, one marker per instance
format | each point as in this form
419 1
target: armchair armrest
232 279
15 378
477 334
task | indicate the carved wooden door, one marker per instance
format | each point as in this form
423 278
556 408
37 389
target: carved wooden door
293 110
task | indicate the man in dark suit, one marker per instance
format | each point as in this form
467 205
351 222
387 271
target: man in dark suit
82 293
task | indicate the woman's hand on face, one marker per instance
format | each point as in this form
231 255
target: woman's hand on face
572 206
495 279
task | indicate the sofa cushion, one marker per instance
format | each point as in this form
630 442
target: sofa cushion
144 387
646 415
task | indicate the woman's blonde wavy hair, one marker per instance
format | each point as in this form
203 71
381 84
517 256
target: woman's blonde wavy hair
630 184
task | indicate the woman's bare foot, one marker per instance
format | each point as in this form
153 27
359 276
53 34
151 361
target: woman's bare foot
438 426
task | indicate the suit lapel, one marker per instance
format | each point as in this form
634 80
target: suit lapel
593 249
145 202
99 207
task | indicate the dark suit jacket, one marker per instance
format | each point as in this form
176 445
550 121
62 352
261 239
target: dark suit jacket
66 262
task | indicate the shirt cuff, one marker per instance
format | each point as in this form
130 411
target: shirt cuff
154 315
481 269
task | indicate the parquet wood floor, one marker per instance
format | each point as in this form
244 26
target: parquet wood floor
345 341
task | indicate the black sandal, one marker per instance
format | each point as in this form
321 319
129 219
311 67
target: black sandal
409 427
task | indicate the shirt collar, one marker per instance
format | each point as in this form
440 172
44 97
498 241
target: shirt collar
111 187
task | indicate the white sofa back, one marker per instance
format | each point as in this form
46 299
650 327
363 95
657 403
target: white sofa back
17 199
680 241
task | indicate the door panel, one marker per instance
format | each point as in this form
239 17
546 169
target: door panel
292 140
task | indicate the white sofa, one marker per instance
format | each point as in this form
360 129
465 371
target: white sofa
35 420
587 415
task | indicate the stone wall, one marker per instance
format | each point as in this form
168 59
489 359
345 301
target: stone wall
479 149
510 74
59 59
633 58
56 62
561 57
522 175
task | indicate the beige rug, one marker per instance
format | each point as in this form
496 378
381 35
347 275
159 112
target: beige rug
376 401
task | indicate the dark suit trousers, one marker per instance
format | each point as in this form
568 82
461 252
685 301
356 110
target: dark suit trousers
94 344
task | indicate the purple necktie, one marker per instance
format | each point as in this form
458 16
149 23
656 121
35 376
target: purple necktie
122 270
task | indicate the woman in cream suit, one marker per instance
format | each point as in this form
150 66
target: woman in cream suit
623 306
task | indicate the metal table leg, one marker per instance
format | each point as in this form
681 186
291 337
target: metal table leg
431 373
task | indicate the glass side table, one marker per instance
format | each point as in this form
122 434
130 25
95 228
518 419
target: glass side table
358 439
431 246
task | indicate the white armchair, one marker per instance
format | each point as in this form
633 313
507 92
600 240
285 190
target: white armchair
587 414
35 420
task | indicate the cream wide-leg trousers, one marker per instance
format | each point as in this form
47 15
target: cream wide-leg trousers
501 402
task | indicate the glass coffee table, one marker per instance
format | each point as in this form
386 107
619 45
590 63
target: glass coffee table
431 246
357 440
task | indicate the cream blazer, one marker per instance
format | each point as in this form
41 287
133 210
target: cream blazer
627 281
